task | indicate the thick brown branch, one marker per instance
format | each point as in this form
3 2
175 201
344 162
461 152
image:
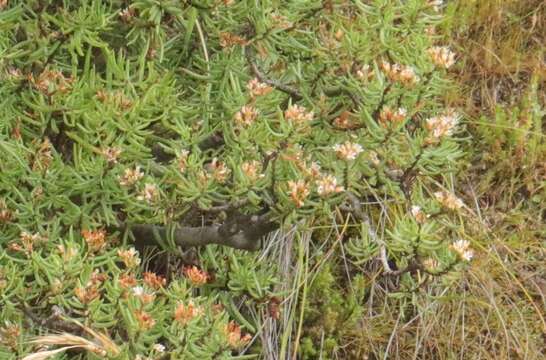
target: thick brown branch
244 233
226 207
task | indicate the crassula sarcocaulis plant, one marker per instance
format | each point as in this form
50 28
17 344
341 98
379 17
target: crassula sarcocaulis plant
181 124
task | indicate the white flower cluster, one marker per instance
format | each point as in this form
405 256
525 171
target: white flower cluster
462 248
348 150
442 125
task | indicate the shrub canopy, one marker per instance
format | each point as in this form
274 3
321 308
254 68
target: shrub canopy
181 124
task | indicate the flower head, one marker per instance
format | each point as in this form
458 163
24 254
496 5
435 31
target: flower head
67 253
182 160
251 170
149 193
44 156
442 56
407 76
298 115
97 278
364 73
138 290
153 280
462 248
10 334
129 257
431 264
257 88
298 191
419 214
50 82
442 125
87 294
13 73
348 150
220 171
127 281
131 176
449 200
327 185
111 154
196 276
400 73
95 239
90 291
280 21
234 337
29 241
228 40
246 116
312 170
184 313
145 320
345 121
387 115
430 30
56 286
127 14
143 295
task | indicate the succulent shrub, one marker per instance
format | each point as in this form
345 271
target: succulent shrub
180 124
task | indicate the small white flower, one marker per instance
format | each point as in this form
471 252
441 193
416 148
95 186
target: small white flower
468 255
138 291
159 348
442 125
419 214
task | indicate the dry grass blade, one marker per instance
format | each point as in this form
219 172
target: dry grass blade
68 340
102 345
106 343
42 355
